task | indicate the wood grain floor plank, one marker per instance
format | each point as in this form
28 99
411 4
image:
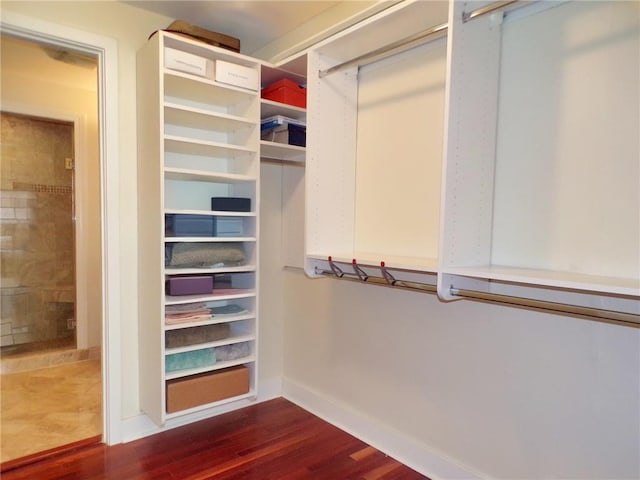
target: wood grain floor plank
273 440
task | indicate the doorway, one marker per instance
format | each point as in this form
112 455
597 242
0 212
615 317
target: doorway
51 251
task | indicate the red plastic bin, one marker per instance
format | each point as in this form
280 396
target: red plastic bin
286 91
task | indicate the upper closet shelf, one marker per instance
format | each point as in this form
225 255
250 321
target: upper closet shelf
551 278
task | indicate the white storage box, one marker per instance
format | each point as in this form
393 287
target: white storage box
237 75
185 62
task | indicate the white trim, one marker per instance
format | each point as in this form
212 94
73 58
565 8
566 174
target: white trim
406 450
81 195
106 50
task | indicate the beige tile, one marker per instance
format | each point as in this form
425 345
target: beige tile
49 407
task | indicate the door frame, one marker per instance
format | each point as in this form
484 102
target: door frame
106 51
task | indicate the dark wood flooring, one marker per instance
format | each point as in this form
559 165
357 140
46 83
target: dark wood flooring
274 440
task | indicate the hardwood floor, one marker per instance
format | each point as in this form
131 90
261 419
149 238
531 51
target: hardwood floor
268 441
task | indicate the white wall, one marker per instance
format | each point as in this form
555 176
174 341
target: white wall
506 392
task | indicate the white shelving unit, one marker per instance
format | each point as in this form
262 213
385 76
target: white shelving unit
501 158
291 160
274 150
198 138
545 193
374 145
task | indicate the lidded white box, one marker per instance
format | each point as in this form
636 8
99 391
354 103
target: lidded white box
237 75
185 62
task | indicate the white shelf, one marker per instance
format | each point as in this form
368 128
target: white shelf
551 278
209 239
282 151
199 117
268 108
205 271
218 343
216 319
179 300
213 213
194 146
201 176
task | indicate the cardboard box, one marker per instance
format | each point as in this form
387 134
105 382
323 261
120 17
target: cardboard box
212 38
195 390
185 62
237 75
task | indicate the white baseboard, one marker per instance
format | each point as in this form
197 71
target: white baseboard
141 425
392 442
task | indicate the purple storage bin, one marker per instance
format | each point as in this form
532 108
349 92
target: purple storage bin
196 285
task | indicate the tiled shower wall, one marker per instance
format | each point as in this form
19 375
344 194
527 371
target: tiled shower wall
37 233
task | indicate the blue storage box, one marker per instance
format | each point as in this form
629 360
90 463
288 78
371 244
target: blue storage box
184 225
228 227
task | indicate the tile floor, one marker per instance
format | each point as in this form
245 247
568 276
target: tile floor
49 407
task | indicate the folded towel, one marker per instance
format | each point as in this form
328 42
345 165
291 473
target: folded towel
231 309
186 307
195 359
196 335
233 351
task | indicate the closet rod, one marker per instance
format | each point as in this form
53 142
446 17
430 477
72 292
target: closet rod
478 12
416 40
396 47
618 317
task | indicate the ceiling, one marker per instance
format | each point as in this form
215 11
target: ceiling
256 22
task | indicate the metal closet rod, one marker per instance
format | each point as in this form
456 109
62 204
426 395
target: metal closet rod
416 40
618 317
388 280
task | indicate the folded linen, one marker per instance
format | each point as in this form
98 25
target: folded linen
186 360
196 335
233 351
